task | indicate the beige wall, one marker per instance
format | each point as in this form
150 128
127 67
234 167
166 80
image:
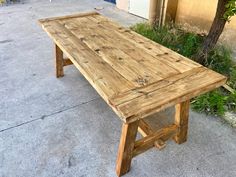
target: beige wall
199 13
123 4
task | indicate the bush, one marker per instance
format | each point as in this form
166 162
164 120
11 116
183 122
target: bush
210 103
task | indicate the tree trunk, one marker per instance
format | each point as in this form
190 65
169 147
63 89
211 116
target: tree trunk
214 33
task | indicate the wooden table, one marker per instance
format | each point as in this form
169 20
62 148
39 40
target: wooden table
135 76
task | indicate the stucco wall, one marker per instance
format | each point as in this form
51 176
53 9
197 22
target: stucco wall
199 13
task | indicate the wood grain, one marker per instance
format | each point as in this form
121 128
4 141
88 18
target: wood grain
59 62
181 120
134 75
125 152
141 102
79 15
145 130
146 143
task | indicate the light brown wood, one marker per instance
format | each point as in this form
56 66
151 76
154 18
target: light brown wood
134 75
230 89
142 102
59 62
144 129
181 120
68 17
163 54
125 152
145 66
146 143
101 76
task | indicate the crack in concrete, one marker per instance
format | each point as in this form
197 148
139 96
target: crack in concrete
6 41
45 116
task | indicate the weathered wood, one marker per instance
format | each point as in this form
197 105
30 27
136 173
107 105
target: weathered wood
67 17
181 120
59 62
146 143
125 152
67 62
144 129
165 55
230 89
101 76
150 67
142 102
134 75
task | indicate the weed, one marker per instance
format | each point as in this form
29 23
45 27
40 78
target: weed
210 103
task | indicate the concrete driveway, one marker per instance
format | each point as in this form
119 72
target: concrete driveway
62 128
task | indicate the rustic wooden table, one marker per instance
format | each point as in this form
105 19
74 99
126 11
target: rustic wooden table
135 76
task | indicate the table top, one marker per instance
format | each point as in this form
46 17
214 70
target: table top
134 75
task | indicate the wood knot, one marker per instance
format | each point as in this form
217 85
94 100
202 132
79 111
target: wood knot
82 39
161 54
141 81
144 93
97 50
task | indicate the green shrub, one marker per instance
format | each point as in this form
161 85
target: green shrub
220 60
210 103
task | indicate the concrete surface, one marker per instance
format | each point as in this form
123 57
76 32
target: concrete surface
49 127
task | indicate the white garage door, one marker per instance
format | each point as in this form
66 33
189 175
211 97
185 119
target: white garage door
139 7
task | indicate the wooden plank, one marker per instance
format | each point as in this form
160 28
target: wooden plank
41 21
146 143
118 60
139 103
127 140
144 129
177 79
181 120
230 89
101 76
135 51
59 62
167 56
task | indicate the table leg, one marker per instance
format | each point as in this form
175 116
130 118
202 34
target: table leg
59 62
181 120
127 140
